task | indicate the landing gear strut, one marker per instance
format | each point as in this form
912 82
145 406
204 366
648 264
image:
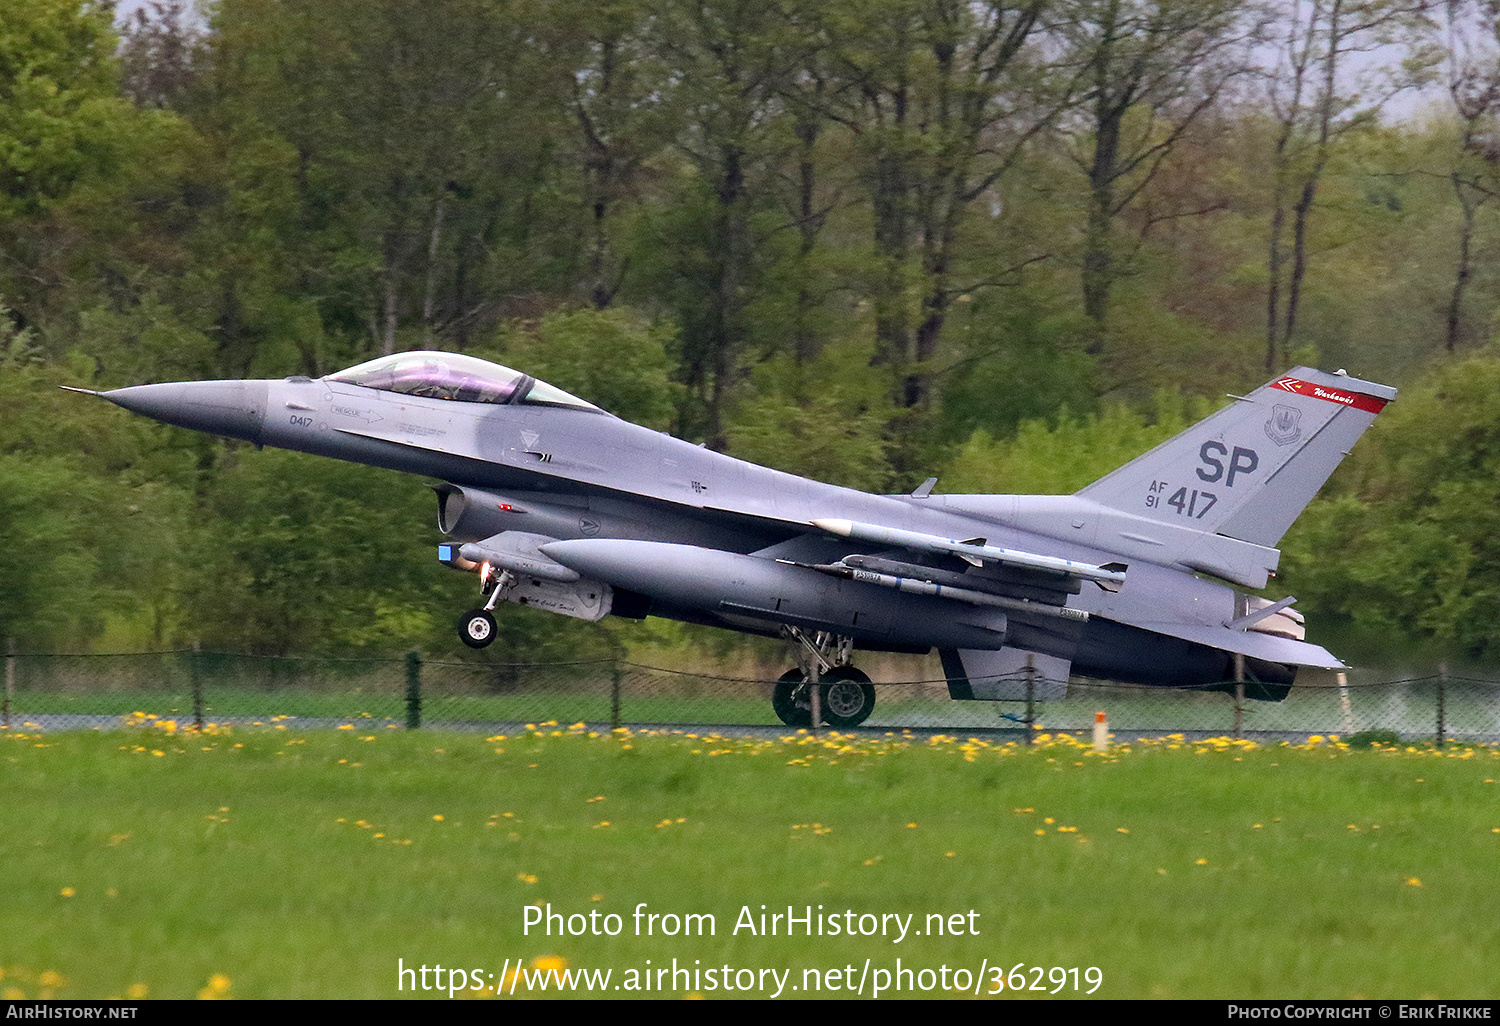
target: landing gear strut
476 628
823 680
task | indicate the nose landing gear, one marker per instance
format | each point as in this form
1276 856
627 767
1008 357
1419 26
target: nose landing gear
476 628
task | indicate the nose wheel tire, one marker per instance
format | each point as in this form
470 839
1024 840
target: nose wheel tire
847 697
477 628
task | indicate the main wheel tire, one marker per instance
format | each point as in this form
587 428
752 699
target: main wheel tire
477 628
791 689
847 698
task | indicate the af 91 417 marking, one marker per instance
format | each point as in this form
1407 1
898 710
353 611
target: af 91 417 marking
1192 504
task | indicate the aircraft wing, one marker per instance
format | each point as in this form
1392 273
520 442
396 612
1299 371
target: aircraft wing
1254 644
1019 582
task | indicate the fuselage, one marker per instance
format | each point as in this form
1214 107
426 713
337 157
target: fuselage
580 474
556 504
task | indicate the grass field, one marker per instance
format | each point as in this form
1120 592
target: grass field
277 863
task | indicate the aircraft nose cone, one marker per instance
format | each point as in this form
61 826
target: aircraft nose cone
233 408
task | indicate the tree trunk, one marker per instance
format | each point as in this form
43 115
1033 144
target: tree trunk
806 345
1098 258
1465 265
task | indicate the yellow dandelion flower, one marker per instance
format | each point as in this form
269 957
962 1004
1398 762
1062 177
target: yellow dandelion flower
554 962
217 989
1412 881
67 892
136 991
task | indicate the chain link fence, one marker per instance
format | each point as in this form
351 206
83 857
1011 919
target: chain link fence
69 692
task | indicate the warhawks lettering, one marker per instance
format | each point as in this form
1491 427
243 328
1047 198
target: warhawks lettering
1358 400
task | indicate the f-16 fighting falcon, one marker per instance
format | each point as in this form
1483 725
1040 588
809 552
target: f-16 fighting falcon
556 504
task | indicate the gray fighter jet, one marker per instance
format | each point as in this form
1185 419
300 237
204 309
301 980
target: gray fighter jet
556 504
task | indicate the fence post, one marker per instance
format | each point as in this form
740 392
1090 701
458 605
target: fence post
10 680
1030 696
195 682
618 674
1344 706
1241 608
413 691
1239 696
815 686
1442 726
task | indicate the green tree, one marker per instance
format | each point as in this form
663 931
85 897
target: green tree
78 165
307 554
59 108
1151 70
942 97
612 358
93 511
835 434
1060 458
735 59
1316 107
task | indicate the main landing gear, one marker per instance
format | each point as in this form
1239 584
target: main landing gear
476 628
845 696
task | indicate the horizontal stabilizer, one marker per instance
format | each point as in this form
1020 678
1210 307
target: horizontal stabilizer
1255 644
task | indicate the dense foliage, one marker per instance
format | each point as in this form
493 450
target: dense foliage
1007 243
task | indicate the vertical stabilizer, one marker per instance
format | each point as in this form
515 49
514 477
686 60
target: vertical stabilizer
1247 471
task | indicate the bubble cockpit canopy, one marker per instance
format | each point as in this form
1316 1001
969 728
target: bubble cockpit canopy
460 378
